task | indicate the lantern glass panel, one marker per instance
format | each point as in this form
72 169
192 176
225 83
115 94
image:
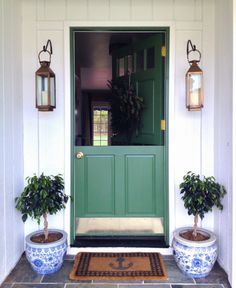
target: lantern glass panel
42 90
195 81
45 91
39 90
52 91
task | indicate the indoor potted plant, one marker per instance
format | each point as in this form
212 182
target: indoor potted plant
44 195
195 249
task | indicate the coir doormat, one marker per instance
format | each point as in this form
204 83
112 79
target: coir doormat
118 266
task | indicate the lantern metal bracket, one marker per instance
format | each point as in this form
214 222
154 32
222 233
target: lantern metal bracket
192 49
45 49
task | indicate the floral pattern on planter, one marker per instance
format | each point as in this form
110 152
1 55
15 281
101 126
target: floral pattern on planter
197 262
46 258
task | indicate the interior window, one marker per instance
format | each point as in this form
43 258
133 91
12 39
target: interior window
100 126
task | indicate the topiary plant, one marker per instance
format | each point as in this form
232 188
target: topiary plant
43 195
200 196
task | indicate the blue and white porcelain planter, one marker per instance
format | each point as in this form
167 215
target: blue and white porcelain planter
46 258
195 258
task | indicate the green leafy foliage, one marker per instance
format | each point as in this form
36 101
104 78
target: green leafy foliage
126 107
43 195
200 196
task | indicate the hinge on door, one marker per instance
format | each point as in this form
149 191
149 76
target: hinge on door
163 51
163 125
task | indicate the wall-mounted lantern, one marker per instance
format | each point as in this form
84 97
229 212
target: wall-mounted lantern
45 82
194 81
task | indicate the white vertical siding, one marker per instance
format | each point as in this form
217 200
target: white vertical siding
98 11
163 10
223 128
120 10
141 11
55 9
184 10
187 125
200 141
78 10
29 54
2 150
174 10
198 9
232 265
11 131
191 133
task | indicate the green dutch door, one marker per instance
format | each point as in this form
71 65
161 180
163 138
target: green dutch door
125 181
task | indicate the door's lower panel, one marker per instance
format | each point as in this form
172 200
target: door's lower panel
119 226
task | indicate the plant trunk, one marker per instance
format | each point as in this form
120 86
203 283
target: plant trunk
45 226
195 225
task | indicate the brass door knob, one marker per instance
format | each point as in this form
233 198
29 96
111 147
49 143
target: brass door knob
79 155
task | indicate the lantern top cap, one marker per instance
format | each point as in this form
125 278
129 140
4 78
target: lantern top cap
193 49
194 68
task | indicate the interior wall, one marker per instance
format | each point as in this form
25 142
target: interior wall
223 128
11 131
191 134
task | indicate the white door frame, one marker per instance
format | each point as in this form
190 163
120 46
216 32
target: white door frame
111 24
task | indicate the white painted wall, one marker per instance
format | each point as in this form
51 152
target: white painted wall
192 134
223 128
46 148
11 131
